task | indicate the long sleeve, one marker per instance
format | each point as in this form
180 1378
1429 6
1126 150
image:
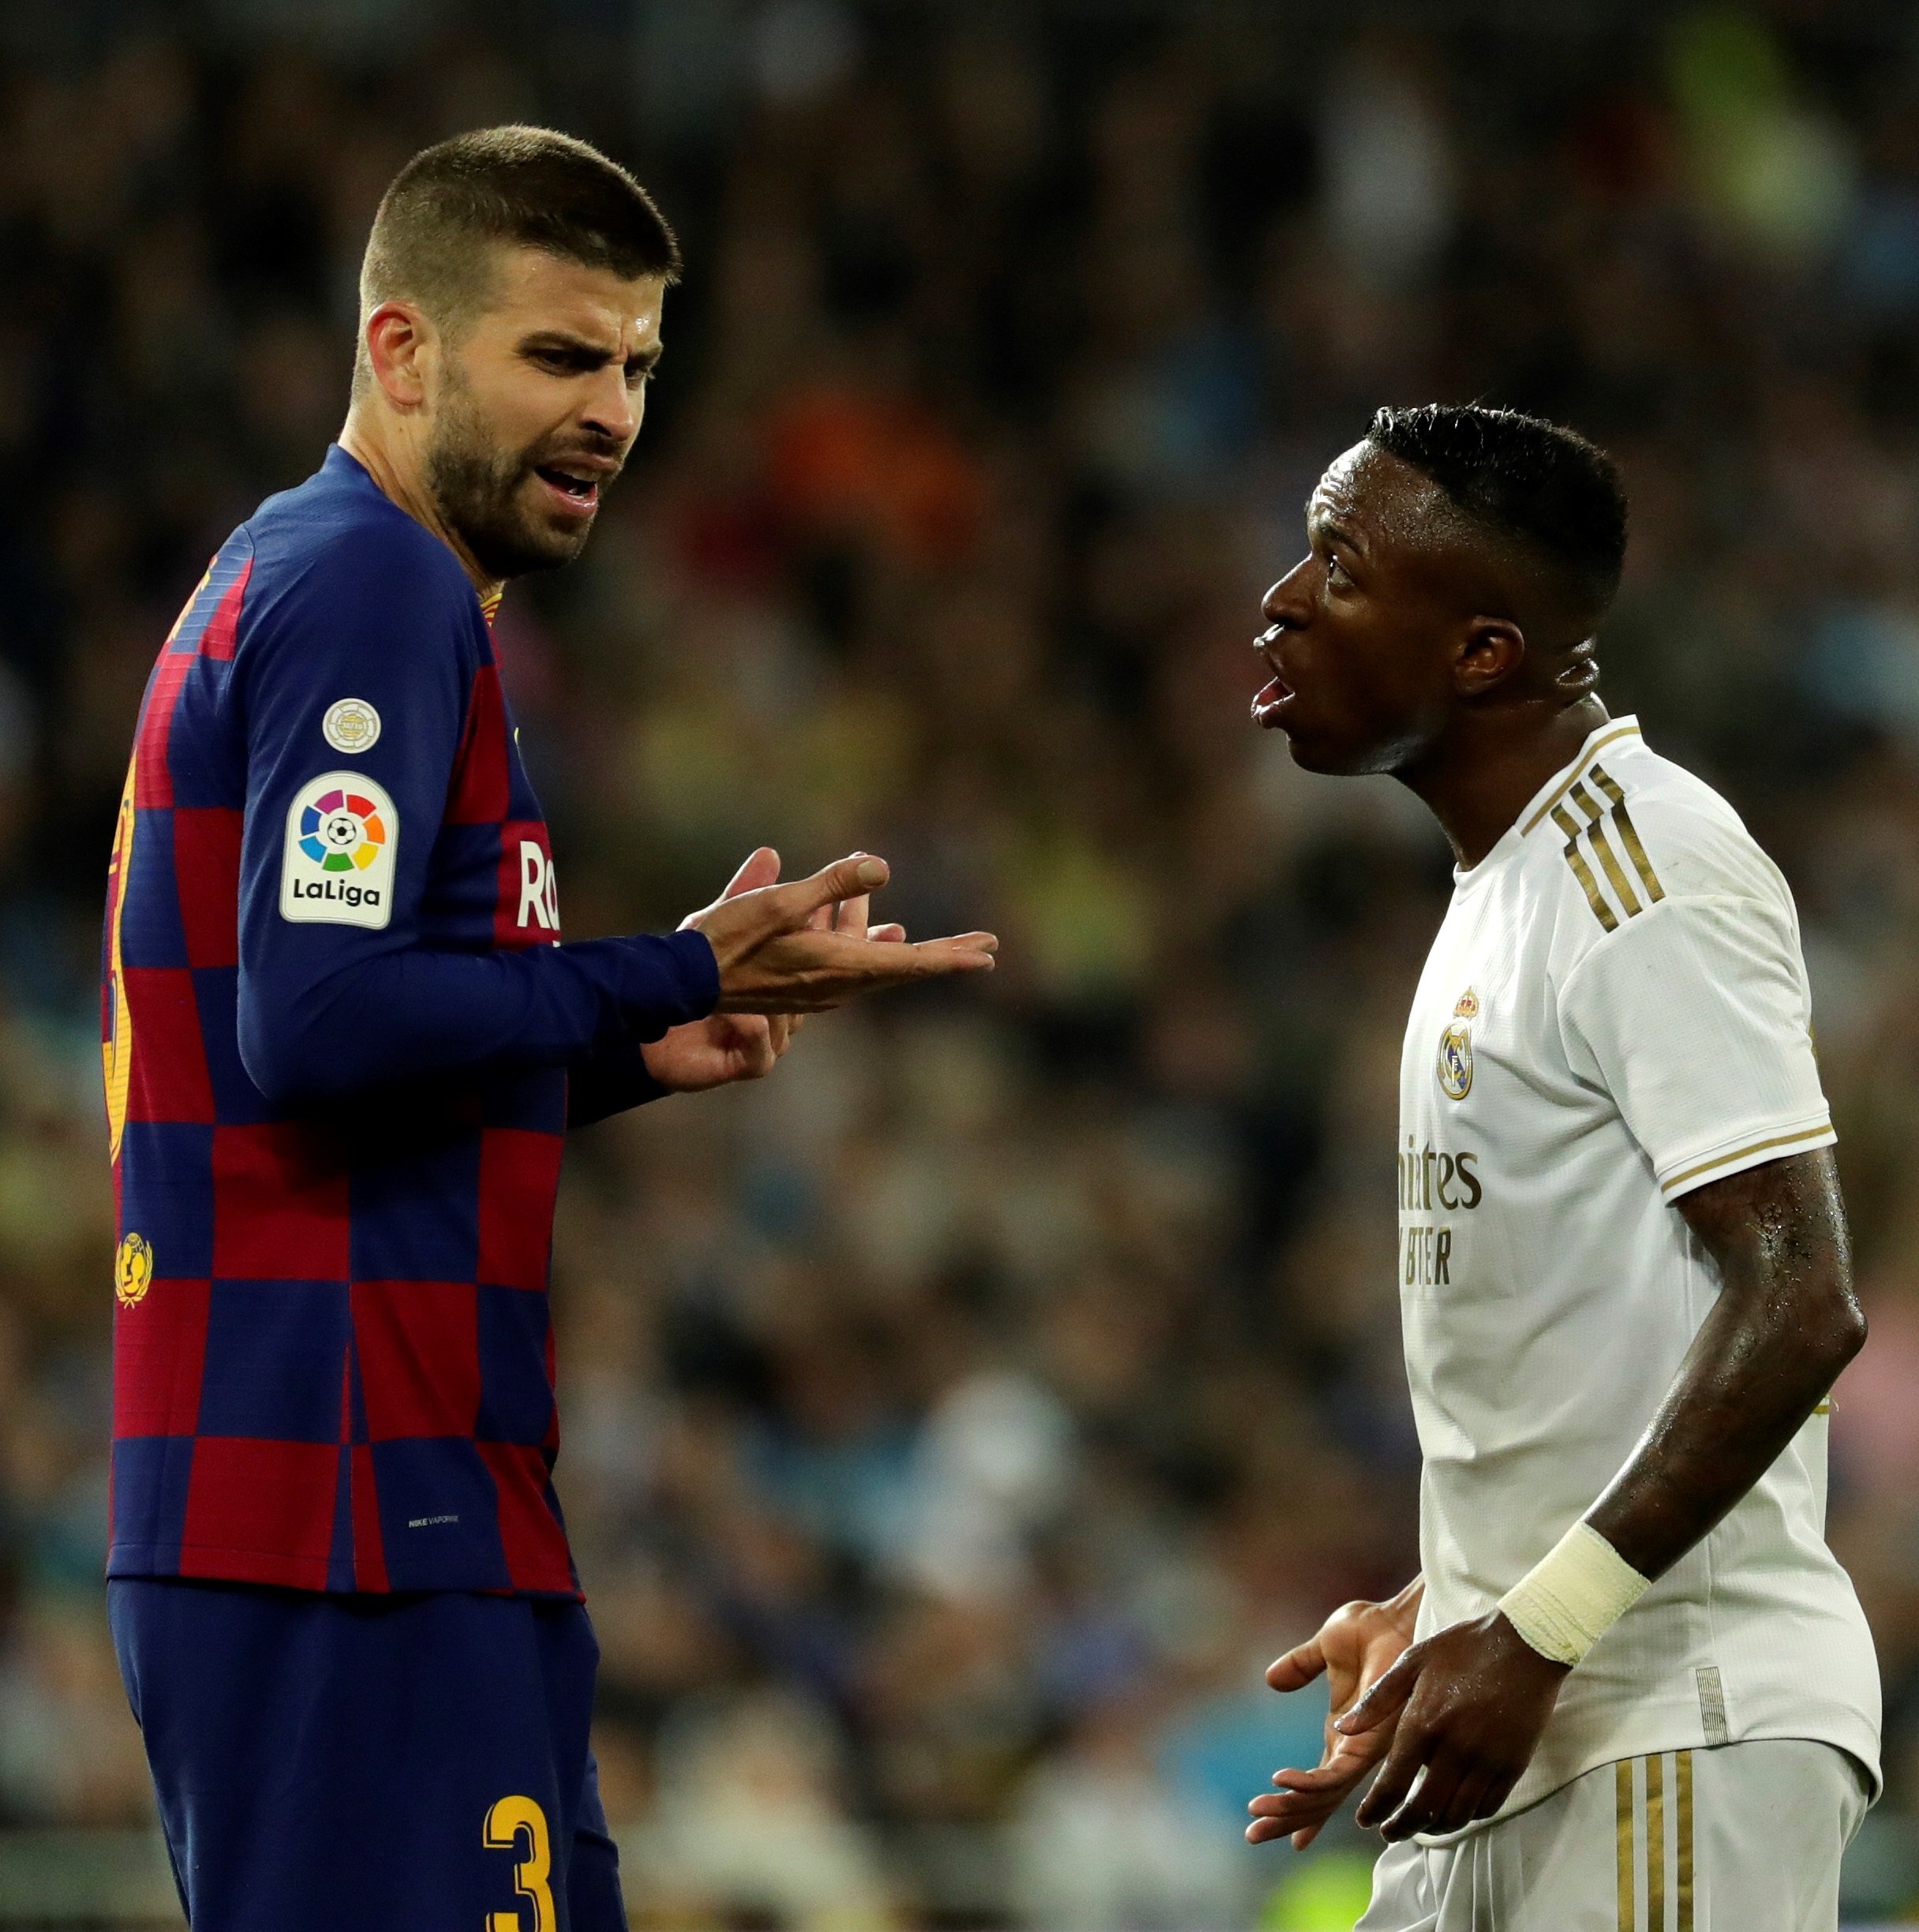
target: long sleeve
610 1079
347 848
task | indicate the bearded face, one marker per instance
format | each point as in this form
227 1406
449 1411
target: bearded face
516 507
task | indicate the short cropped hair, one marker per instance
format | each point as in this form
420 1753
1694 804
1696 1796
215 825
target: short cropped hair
527 185
1559 497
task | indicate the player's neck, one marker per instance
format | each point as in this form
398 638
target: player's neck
1477 782
396 473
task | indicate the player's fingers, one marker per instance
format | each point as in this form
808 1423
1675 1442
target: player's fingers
851 917
1291 1810
1464 1805
1428 1802
1283 1813
860 964
1329 1777
780 1031
815 972
1387 1695
1298 1667
1264 1830
962 953
762 868
764 1050
887 935
1395 1779
845 879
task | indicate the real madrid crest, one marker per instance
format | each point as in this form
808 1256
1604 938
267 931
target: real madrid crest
1455 1060
132 1270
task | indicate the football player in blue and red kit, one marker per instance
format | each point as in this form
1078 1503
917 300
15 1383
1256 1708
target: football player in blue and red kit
343 1040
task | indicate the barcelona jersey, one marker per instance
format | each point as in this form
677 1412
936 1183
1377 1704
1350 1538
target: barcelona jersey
342 1041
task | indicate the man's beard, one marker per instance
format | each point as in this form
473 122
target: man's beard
477 487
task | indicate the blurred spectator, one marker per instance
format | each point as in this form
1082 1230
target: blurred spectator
955 1424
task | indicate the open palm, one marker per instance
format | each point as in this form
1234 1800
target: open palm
1357 1644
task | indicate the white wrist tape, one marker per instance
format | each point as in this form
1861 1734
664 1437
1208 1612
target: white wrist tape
1573 1596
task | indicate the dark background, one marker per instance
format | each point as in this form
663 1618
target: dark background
957 1424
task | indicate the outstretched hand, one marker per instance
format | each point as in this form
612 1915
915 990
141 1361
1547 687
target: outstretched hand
780 949
1354 1649
725 1046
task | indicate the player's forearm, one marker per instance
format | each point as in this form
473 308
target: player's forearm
403 1015
1784 1326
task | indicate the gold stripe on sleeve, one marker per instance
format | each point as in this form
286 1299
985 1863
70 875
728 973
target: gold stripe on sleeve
1752 1147
1603 845
1682 1830
1582 872
1655 1845
1622 1774
1573 777
1629 832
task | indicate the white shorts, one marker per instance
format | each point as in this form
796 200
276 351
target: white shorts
1742 1838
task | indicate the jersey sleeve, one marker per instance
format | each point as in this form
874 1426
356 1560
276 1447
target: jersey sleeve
344 997
1695 1017
611 1078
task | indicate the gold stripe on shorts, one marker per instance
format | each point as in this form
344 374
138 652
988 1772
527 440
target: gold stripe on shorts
1655 1845
1622 1774
1682 1826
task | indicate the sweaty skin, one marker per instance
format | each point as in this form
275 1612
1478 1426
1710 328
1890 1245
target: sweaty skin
1408 641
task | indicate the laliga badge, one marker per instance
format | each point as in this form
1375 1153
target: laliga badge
337 866
351 725
1455 1060
132 1270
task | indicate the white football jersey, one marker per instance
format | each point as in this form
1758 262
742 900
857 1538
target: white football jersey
1614 1013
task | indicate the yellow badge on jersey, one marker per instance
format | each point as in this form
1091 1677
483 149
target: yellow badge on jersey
1468 1007
132 1270
1455 1060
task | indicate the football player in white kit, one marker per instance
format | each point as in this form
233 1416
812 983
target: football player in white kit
1631 1690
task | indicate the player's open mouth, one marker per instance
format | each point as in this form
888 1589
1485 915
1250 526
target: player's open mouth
1272 697
1270 701
1268 704
578 492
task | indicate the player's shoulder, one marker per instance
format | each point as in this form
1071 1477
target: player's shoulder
1625 829
337 543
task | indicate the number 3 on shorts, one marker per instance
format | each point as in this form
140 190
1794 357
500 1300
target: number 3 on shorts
504 1823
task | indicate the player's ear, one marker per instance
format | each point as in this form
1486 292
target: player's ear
400 342
1489 651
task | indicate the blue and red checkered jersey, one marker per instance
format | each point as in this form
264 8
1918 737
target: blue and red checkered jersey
342 1043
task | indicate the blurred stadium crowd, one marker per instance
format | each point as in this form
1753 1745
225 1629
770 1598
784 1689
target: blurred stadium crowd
956 1424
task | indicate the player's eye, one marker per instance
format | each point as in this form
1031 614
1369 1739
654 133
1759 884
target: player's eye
1336 571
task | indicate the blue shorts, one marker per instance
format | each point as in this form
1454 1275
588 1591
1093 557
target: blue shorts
414 1763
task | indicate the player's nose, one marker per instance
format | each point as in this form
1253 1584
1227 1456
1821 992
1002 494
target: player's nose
613 409
1284 603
